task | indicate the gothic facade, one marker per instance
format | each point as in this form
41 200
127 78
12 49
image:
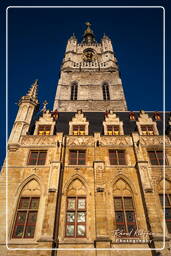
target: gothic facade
88 177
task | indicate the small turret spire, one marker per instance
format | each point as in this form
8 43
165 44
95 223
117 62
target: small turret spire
32 92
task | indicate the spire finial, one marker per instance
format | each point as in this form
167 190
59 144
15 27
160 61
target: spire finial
32 92
88 34
88 24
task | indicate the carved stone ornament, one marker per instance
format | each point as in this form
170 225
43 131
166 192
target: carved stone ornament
80 141
35 169
37 140
121 188
115 140
154 140
145 177
99 174
79 117
31 188
76 188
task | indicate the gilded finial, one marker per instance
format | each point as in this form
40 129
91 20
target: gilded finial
88 24
88 34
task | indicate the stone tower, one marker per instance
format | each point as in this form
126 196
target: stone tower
89 77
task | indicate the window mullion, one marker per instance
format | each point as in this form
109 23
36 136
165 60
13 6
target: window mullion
27 214
124 211
25 224
117 157
37 157
168 198
158 161
77 156
76 214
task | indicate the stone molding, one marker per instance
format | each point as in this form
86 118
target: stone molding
146 140
118 140
28 140
80 141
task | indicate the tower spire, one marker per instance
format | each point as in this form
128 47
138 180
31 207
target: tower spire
88 36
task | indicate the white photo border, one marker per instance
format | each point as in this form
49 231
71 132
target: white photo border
84 249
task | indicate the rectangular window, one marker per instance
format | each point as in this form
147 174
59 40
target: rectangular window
76 217
156 157
44 129
117 157
26 217
78 129
167 207
125 215
77 157
147 129
37 157
113 130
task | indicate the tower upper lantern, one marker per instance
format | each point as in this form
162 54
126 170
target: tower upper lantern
89 76
88 34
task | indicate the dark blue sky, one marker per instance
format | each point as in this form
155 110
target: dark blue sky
38 37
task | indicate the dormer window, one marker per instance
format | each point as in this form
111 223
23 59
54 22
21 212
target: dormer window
78 129
79 124
44 129
147 129
113 130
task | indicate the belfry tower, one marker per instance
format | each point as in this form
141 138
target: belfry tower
89 77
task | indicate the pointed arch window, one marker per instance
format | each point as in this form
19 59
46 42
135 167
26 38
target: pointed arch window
27 211
125 214
76 217
76 210
124 209
106 94
74 91
167 207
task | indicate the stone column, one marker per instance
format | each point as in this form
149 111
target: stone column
102 237
148 196
50 208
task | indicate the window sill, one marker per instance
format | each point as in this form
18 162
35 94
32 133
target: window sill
118 165
159 166
22 241
74 240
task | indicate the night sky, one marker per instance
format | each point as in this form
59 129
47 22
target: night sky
38 37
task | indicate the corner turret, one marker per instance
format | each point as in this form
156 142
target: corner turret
28 104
